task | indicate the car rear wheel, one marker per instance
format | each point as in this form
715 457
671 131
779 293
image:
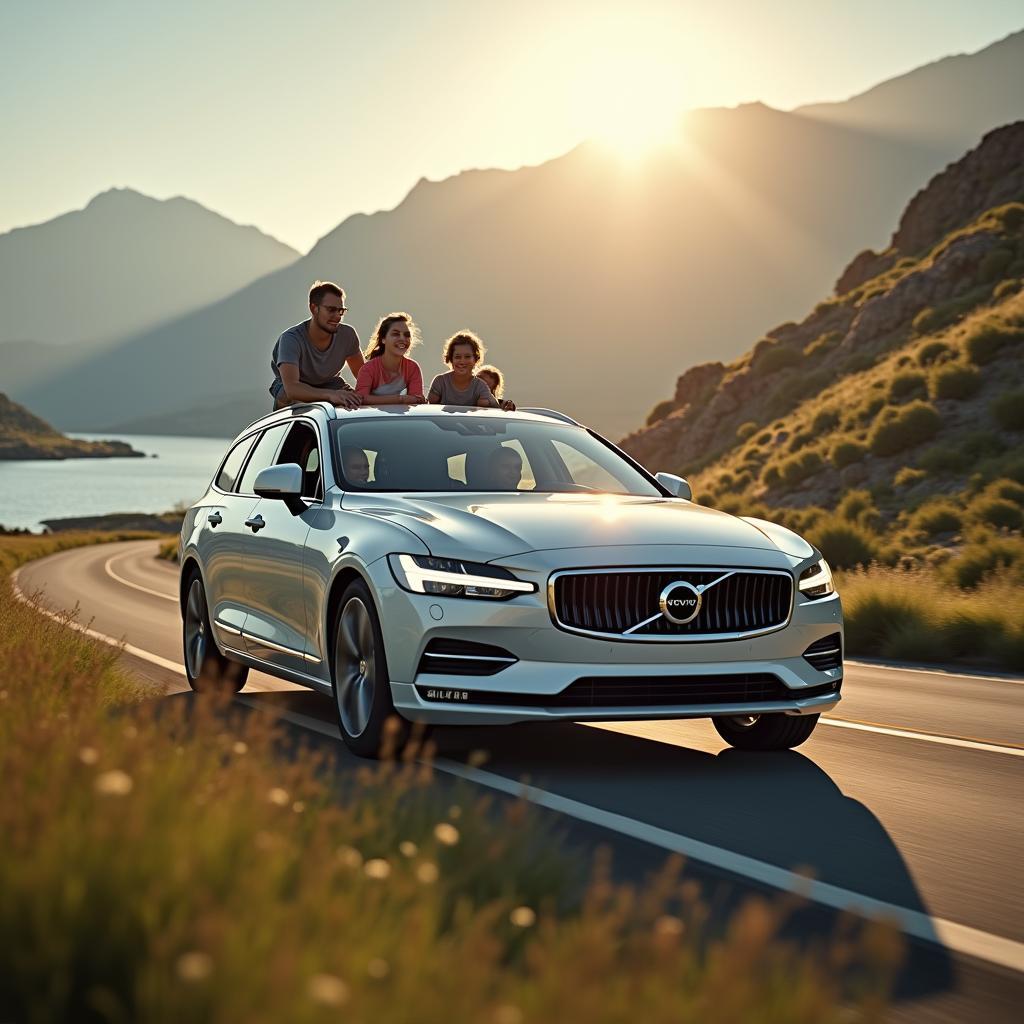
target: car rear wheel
207 670
362 690
765 732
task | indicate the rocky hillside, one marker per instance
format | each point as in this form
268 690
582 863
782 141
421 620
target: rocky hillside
25 436
899 400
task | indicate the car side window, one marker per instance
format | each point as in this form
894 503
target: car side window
232 465
262 456
584 471
301 447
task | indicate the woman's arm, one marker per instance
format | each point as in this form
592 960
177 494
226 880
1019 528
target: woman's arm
366 378
414 379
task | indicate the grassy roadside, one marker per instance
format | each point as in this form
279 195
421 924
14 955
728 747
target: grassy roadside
917 614
164 860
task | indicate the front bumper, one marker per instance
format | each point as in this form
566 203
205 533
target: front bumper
550 660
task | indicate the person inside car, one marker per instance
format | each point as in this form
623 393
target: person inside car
308 358
389 376
505 469
355 465
459 386
495 380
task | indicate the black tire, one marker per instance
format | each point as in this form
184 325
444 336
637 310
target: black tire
765 732
207 670
367 719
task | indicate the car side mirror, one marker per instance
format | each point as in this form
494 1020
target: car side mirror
283 483
675 485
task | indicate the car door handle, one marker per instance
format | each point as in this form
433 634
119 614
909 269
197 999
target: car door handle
215 519
255 524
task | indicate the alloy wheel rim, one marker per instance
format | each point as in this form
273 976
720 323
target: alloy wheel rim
354 665
195 629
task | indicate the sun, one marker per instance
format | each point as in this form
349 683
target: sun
639 113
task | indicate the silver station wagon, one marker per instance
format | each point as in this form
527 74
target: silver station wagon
470 566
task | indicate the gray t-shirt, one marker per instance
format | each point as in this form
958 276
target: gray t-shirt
317 369
444 386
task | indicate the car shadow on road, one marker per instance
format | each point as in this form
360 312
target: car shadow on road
778 808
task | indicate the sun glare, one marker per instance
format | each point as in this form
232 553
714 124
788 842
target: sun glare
643 112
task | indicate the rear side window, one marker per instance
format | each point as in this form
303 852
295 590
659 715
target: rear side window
262 456
232 465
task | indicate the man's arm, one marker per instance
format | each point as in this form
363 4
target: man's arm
355 364
296 391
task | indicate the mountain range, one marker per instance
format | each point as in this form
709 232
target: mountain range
591 278
127 262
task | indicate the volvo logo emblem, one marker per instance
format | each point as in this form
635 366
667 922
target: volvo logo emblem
680 602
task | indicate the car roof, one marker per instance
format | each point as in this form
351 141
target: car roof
325 411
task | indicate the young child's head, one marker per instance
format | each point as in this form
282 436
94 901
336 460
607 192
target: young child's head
493 378
465 348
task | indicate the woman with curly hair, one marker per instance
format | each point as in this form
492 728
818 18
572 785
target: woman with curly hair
389 376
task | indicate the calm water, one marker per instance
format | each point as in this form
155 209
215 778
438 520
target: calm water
33 491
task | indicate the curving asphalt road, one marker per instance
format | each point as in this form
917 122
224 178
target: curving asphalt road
906 801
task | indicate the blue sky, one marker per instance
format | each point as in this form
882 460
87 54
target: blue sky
292 118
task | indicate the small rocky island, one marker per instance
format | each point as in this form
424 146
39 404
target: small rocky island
25 436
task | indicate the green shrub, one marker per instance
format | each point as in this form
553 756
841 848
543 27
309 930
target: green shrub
937 516
986 339
980 559
933 352
801 439
846 453
1008 410
770 356
799 467
746 430
904 428
993 264
824 421
771 476
981 444
843 544
995 511
907 385
1011 490
871 409
954 381
660 411
943 458
1007 288
859 362
765 437
823 342
854 504
907 476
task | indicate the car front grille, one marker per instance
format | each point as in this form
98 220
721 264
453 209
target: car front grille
826 653
677 692
625 603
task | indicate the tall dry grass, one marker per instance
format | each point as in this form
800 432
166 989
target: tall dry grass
921 615
169 859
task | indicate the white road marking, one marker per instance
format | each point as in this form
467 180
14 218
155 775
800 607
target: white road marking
929 737
128 583
924 670
969 941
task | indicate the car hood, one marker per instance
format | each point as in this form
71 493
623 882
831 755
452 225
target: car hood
483 527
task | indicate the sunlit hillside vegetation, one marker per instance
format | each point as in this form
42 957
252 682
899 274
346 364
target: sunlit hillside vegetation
888 425
170 859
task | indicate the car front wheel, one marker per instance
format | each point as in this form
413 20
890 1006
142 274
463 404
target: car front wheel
207 670
362 691
765 732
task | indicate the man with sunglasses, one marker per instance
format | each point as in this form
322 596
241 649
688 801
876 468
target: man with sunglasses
308 358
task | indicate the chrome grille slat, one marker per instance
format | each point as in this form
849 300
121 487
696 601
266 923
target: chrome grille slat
614 602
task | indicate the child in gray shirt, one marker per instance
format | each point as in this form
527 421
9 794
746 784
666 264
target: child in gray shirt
462 351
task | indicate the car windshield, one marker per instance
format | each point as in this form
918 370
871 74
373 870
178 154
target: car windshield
478 454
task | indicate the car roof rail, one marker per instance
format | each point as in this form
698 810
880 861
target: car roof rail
553 414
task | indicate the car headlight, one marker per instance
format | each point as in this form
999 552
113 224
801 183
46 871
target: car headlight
450 577
816 580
